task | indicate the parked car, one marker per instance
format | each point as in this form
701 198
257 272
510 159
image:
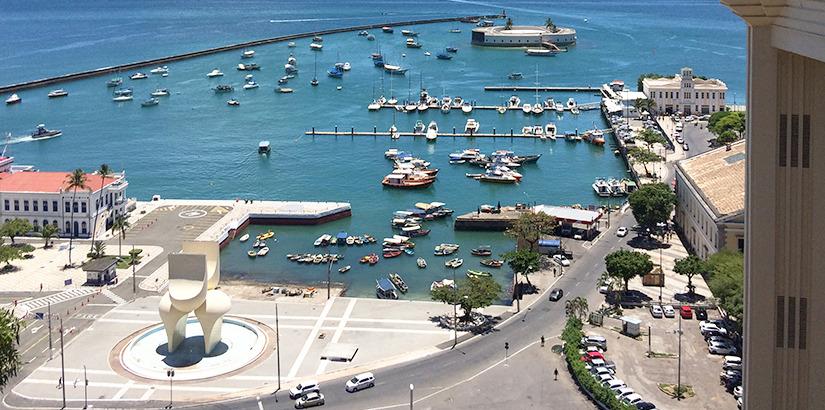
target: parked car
306 386
579 234
732 363
310 400
645 405
701 313
685 312
624 391
592 355
713 333
595 340
560 259
361 381
656 311
738 391
669 311
686 147
718 323
719 338
708 326
621 232
556 294
633 398
614 384
679 139
721 348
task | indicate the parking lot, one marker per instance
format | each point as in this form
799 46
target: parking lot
644 373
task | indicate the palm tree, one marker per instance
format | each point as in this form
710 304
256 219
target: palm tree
104 171
121 225
508 24
76 180
577 308
98 249
49 232
549 24
644 104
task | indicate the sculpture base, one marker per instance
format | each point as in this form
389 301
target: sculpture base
145 353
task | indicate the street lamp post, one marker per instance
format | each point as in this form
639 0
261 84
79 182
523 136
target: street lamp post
134 279
85 388
411 396
171 374
455 312
515 292
679 368
62 365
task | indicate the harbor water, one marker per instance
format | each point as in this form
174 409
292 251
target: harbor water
194 145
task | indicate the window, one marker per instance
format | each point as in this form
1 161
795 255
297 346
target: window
26 205
55 223
83 207
83 228
714 96
677 94
36 224
16 205
6 204
35 205
74 206
687 95
68 227
54 206
68 207
45 222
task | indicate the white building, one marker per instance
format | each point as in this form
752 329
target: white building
522 36
686 94
710 200
43 198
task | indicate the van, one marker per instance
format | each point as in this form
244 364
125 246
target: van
361 381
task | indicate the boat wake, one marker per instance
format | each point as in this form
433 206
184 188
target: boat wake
301 20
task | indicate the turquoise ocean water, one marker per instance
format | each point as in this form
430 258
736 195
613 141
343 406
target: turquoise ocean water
193 145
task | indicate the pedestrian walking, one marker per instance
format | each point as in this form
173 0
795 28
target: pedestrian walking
556 374
542 340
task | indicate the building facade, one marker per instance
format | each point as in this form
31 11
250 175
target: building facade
522 36
686 94
43 198
710 200
784 259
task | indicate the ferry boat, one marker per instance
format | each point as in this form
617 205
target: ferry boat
42 133
384 289
57 93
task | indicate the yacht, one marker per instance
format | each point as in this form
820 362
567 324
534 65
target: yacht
248 54
571 103
419 127
316 47
457 101
150 102
471 127
374 106
394 132
57 93
215 73
42 133
432 131
527 108
250 85
160 92
602 187
559 107
122 98
514 102
466 108
550 130
160 70
138 76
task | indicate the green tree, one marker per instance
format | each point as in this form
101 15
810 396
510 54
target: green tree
625 265
640 81
48 233
550 26
577 308
76 180
726 137
524 262
644 104
690 266
650 137
726 271
723 121
15 227
469 294
120 225
104 171
531 226
652 204
9 253
10 364
508 25
98 250
643 155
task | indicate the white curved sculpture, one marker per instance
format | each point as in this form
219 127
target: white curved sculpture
193 275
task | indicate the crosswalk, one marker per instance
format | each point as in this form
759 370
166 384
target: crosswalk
115 298
66 295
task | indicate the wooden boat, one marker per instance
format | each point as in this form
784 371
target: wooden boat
252 254
442 283
365 259
477 274
398 282
369 238
373 259
492 263
421 263
454 263
409 251
244 238
391 253
344 269
481 251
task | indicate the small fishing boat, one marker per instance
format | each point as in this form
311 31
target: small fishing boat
223 89
443 56
398 282
57 93
451 49
316 47
387 29
482 251
42 133
454 263
215 73
138 76
492 263
418 128
515 76
263 251
318 39
150 102
345 269
390 253
113 82
252 254
244 238
477 274
370 37
250 85
421 263
384 289
409 33
233 101
248 54
160 70
291 44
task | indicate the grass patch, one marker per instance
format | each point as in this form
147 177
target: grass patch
663 355
670 390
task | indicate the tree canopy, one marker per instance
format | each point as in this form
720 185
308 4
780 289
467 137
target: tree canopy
652 204
74 181
625 265
121 225
650 137
15 227
726 272
10 364
48 232
531 226
723 121
470 293
577 308
508 24
690 266
524 261
644 156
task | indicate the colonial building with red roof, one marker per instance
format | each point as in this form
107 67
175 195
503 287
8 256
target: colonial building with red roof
44 198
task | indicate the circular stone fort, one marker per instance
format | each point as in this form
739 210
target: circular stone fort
523 36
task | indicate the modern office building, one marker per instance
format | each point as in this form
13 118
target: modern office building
44 198
710 200
784 226
686 94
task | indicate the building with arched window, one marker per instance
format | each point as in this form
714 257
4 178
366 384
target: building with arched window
686 94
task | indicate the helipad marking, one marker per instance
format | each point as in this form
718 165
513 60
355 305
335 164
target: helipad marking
219 209
191 214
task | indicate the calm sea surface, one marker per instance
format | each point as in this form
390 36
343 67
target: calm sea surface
193 145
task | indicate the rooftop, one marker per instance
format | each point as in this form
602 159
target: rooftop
719 176
44 182
676 82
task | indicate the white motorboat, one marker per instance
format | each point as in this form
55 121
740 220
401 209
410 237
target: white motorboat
514 102
457 101
445 108
57 93
138 76
538 130
248 54
233 102
571 103
550 130
347 66
215 73
263 251
602 187
432 131
394 132
14 99
501 109
250 85
160 70
316 47
472 126
466 108
122 98
244 238
42 133
526 130
419 127
150 102
374 106
559 107
160 92
527 108
537 109
575 110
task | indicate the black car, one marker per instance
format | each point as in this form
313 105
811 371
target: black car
701 313
556 294
645 405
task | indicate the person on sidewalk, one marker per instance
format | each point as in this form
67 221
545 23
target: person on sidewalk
556 374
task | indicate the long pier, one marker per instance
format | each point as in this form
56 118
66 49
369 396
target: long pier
544 88
195 54
375 133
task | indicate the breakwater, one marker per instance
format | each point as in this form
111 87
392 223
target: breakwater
195 54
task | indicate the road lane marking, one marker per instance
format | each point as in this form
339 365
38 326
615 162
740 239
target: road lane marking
322 367
310 339
123 390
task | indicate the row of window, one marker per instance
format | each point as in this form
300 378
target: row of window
699 94
68 228
35 206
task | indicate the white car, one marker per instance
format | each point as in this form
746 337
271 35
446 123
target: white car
669 311
306 386
310 400
721 348
561 260
621 232
361 381
656 311
738 391
706 327
632 398
624 391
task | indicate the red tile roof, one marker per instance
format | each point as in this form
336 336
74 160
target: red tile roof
47 182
